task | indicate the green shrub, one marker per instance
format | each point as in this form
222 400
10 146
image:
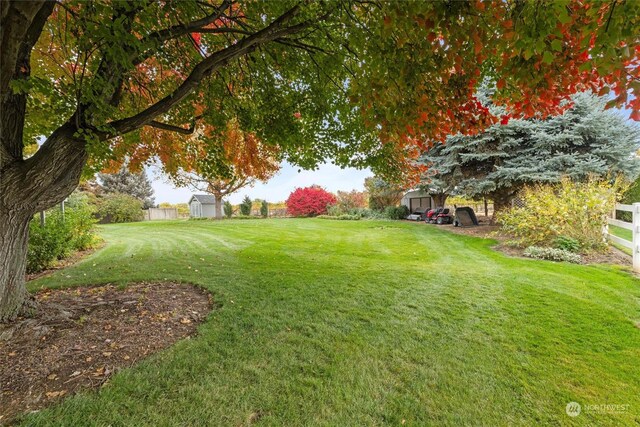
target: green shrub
337 210
245 206
574 210
369 213
116 208
347 217
47 243
567 244
228 209
60 235
79 216
264 209
246 217
333 210
552 254
343 217
396 212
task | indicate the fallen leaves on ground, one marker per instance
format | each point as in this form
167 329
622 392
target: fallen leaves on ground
81 336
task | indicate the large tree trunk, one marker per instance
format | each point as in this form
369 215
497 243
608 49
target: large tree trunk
14 234
27 187
501 202
439 199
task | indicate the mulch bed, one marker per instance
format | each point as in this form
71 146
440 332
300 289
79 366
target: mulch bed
487 230
81 336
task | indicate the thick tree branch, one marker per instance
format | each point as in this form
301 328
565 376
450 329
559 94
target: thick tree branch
224 30
158 37
205 68
48 176
172 128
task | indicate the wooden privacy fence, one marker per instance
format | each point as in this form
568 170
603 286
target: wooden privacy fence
633 226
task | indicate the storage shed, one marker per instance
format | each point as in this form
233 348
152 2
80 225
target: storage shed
202 206
417 198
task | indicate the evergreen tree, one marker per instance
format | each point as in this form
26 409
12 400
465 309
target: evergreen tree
228 209
245 206
133 184
585 140
264 209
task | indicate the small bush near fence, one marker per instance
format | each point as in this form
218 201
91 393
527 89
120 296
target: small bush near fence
118 207
60 235
552 254
568 210
245 206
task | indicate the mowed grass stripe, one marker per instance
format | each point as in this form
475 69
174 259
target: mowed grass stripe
365 323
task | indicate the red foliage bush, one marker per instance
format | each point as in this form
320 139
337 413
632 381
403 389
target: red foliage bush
309 201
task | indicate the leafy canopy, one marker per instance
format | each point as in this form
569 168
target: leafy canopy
363 83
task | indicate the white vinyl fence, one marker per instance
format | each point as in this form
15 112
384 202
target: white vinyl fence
154 214
634 226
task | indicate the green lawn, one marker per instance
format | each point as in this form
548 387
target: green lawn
623 233
620 232
345 323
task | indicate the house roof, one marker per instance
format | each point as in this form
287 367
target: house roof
205 199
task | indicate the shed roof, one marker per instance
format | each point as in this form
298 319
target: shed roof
205 199
416 193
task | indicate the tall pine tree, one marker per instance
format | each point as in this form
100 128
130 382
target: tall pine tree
585 140
133 184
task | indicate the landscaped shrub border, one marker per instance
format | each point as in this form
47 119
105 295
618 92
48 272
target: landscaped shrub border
343 217
566 215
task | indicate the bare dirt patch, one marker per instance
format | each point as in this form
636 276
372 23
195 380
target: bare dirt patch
81 336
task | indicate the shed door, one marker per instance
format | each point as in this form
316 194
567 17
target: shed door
417 202
195 211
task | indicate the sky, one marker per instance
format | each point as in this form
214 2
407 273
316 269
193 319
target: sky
329 176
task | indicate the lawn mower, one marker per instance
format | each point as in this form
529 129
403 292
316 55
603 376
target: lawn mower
439 216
